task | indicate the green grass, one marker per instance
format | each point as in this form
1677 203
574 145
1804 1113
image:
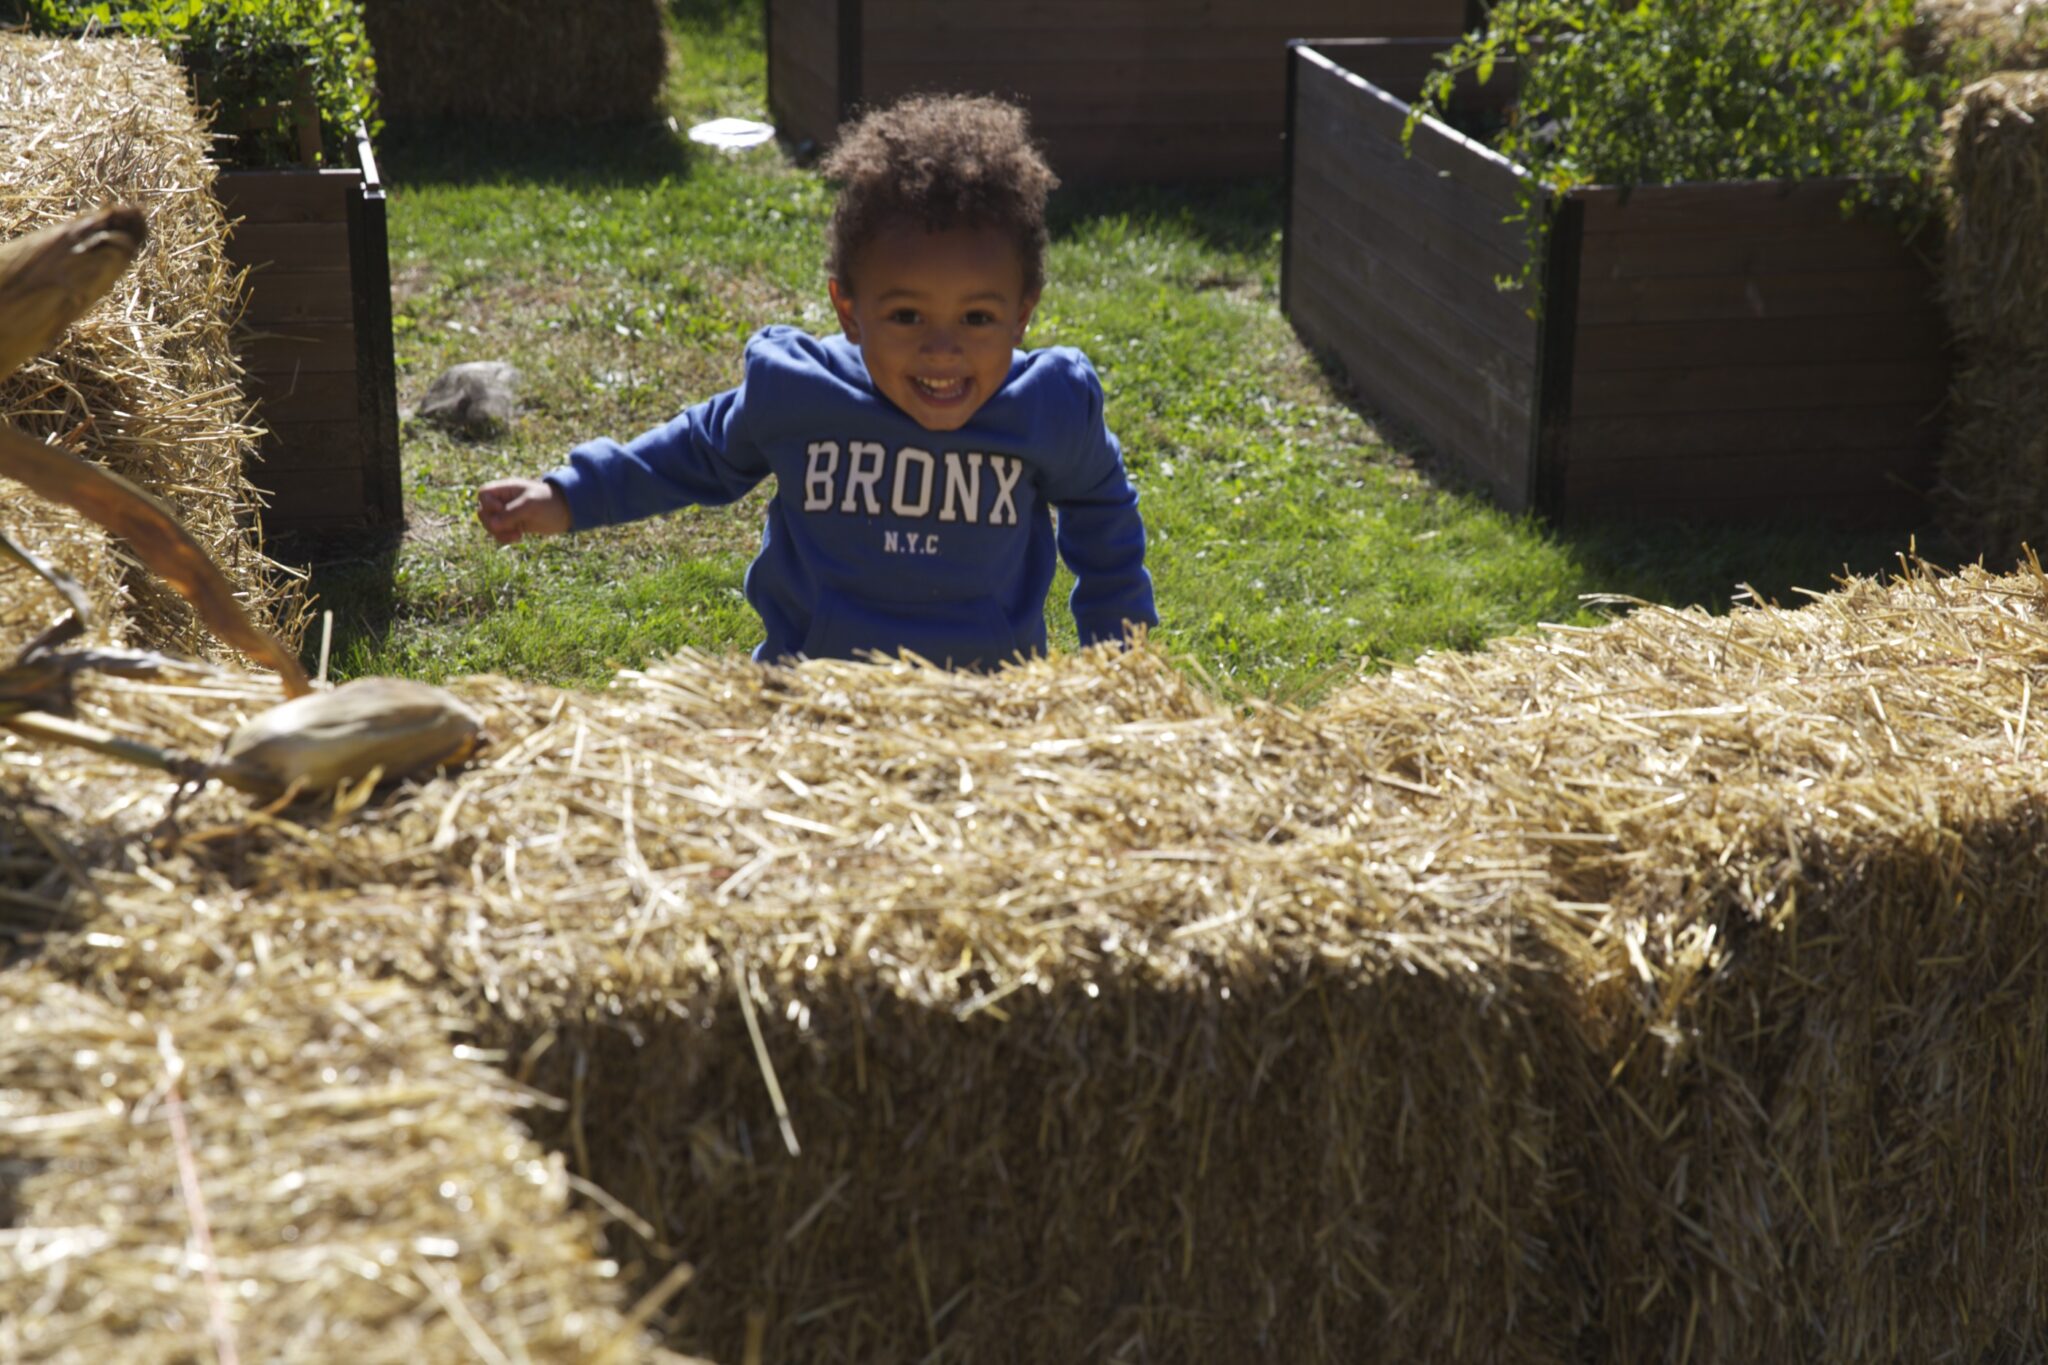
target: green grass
1293 540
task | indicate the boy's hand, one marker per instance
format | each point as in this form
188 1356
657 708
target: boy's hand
513 509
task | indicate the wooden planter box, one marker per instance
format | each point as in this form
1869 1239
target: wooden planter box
1117 89
316 345
1719 351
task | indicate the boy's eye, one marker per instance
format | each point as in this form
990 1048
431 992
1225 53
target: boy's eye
905 316
980 318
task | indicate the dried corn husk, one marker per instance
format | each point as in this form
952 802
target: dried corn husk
392 727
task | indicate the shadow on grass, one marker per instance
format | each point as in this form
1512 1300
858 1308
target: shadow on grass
1677 562
458 152
358 582
1238 216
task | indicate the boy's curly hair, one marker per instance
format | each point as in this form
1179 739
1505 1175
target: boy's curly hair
940 162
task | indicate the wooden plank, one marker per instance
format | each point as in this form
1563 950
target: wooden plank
1362 205
1776 205
330 444
1917 338
1242 77
1857 487
1330 144
941 49
277 297
1465 309
1398 66
287 196
1363 18
1675 393
1112 154
308 347
311 499
290 246
1462 405
304 396
1333 103
1713 434
1845 294
1671 250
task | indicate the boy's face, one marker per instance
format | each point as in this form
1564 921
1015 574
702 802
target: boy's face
936 315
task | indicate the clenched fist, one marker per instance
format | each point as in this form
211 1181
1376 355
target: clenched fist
513 509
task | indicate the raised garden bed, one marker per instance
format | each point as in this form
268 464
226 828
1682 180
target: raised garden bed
1725 351
316 345
1123 89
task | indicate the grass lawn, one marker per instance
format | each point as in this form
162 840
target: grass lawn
1293 539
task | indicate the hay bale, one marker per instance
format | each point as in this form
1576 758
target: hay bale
1992 483
1995 173
1659 991
1964 37
1994 462
503 59
146 382
63 538
276 1167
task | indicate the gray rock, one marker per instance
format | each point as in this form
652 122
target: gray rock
475 397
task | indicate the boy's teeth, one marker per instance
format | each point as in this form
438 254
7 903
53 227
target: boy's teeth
939 388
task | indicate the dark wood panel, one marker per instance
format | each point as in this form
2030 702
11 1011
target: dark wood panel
307 499
1861 244
1845 294
318 347
1188 112
277 297
290 246
1761 341
1410 227
287 196
332 444
1466 310
304 396
1396 65
1777 205
1864 486
1099 155
1416 203
1243 77
1712 434
1461 404
1349 114
1305 18
1755 388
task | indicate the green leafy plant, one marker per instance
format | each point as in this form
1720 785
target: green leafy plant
1636 92
251 58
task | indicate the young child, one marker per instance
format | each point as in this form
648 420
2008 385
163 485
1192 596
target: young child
916 457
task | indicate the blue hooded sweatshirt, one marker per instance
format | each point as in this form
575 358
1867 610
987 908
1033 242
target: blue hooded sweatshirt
883 535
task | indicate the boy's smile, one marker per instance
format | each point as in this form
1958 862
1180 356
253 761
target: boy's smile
936 316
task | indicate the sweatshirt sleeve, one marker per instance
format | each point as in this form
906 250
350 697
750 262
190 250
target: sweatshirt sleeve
1100 535
702 457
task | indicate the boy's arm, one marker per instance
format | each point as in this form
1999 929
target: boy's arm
702 457
1100 535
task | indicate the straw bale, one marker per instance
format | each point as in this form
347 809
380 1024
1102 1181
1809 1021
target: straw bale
146 382
505 59
1967 36
1993 488
1173 949
1995 173
63 538
290 1169
1661 991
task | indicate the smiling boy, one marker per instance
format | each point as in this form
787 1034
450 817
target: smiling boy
919 456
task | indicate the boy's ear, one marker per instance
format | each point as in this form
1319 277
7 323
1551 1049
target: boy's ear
1024 318
842 304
